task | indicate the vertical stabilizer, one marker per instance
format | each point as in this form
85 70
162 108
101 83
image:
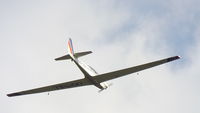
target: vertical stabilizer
71 54
70 48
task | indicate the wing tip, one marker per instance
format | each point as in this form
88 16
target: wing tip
177 57
173 58
13 94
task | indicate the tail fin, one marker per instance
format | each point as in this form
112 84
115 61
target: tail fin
70 48
71 54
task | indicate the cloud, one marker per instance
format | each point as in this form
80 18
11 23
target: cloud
121 34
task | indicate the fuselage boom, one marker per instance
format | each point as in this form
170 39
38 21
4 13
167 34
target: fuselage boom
88 73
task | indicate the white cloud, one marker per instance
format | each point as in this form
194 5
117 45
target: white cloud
120 34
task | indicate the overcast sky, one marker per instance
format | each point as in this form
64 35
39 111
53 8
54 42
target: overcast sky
121 33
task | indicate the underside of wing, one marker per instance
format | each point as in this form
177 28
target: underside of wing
123 72
71 84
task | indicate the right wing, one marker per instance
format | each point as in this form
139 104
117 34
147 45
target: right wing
123 72
71 84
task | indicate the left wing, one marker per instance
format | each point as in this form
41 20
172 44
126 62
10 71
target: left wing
71 84
123 72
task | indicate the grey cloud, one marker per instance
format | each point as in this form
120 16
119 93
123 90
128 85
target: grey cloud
120 34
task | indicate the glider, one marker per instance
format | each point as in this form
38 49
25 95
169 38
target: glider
91 76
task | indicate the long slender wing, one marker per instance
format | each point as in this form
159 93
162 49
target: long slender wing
123 72
71 84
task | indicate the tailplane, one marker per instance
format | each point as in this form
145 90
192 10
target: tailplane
71 54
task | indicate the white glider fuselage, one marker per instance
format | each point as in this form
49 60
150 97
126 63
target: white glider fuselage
88 71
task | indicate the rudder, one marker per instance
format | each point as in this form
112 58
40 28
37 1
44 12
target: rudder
70 48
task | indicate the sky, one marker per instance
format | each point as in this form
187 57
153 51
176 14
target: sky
121 34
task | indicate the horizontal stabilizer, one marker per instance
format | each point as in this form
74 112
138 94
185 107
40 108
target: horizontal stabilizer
80 54
76 55
66 57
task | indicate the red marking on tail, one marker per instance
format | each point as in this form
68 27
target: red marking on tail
70 47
